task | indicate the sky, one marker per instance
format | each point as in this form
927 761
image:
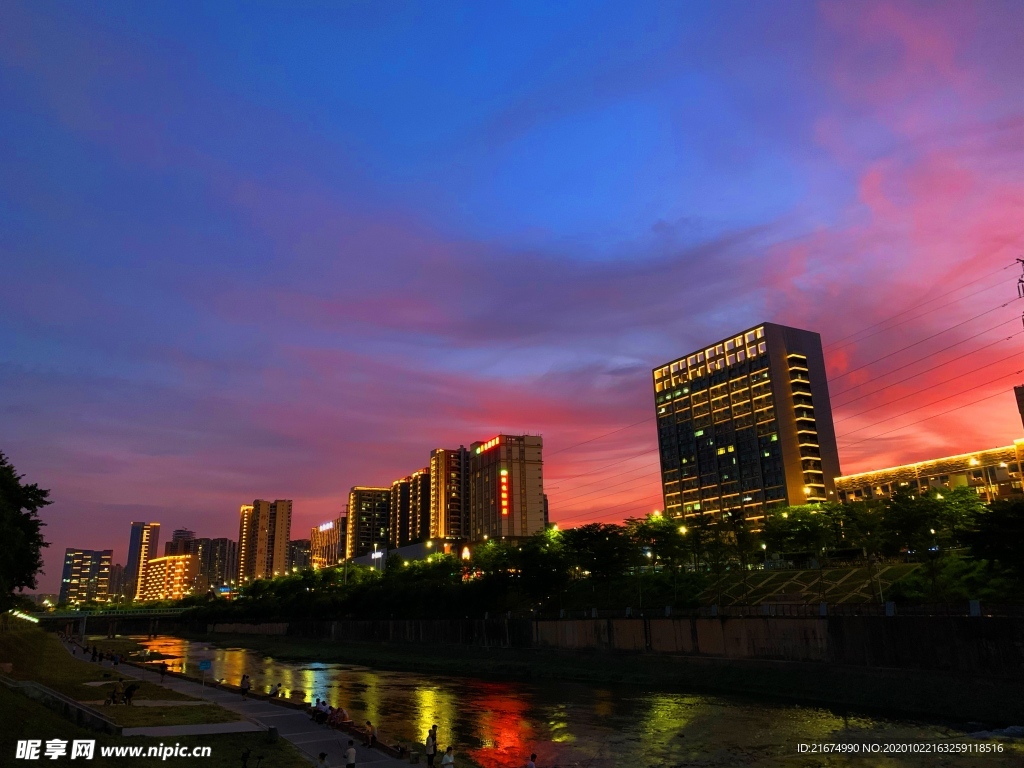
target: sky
274 250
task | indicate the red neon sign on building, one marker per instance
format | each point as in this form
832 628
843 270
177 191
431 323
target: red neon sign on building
503 485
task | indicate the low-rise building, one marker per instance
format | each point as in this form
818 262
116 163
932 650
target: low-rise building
994 473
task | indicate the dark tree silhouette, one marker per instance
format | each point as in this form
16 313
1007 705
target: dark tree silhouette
21 538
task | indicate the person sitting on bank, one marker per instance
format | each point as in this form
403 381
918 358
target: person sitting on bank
245 685
117 693
129 693
371 735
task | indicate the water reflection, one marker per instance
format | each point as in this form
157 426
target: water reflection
498 724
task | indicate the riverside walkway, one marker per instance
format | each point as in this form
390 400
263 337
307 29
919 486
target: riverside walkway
294 725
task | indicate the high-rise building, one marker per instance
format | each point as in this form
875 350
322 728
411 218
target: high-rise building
300 556
398 518
327 543
168 578
746 424
993 474
369 510
116 587
264 531
219 563
409 521
86 575
506 487
180 543
449 493
142 547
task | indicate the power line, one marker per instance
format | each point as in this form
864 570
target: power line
919 391
930 354
934 402
920 304
606 477
605 488
614 463
834 347
927 338
921 373
601 437
927 418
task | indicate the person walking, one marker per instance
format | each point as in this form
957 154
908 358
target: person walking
245 685
163 670
350 755
448 759
533 761
430 748
129 693
94 653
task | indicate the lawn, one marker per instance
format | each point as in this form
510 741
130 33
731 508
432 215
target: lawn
39 656
25 719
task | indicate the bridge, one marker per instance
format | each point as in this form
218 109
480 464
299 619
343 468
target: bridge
72 615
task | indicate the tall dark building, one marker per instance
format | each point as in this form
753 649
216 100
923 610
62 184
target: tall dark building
300 555
746 424
1019 392
449 493
216 562
180 543
369 510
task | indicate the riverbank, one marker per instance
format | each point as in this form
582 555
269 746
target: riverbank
948 698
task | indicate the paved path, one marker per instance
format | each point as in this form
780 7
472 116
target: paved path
292 724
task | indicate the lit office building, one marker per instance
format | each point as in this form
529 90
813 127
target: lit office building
449 493
142 547
86 575
409 519
264 533
746 424
216 562
369 512
168 578
506 487
994 474
327 543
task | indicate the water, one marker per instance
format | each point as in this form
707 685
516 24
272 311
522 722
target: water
498 724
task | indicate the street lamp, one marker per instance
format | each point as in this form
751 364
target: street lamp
764 548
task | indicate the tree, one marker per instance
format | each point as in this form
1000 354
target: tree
602 549
999 535
21 538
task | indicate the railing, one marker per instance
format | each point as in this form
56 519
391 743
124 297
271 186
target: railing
796 610
129 612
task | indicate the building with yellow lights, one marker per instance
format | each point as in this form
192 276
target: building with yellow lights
168 578
449 493
86 575
409 520
506 488
994 474
264 536
327 543
745 424
369 512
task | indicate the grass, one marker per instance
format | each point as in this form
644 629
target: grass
25 719
39 656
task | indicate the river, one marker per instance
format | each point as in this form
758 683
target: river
498 724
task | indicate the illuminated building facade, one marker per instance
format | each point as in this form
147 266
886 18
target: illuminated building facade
994 474
409 519
168 578
369 512
745 424
506 487
142 547
264 533
327 543
86 575
449 493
